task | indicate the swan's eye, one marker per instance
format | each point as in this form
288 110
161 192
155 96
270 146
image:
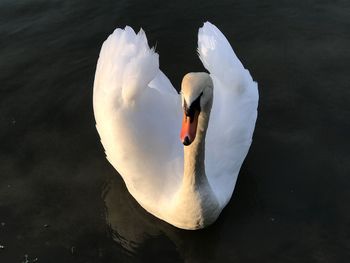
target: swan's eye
195 106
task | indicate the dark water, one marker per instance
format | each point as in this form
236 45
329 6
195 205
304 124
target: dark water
61 201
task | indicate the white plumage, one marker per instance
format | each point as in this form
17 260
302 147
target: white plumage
138 117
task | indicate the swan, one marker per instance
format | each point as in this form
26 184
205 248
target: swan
184 181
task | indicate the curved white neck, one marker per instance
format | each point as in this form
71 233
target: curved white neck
195 198
194 156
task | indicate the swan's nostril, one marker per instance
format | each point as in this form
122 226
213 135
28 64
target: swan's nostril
186 141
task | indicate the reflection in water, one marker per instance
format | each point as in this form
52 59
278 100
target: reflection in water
136 230
130 228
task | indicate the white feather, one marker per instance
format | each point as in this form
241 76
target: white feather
233 114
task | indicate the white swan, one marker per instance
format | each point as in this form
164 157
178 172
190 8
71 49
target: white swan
138 117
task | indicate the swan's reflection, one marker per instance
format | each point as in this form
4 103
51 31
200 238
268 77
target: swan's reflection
136 230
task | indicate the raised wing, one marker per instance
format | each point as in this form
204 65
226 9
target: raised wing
233 114
138 116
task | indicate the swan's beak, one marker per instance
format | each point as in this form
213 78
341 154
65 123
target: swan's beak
189 129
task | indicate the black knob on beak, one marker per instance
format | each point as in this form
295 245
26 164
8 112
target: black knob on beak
186 141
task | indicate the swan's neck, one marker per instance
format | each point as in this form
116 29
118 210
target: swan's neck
194 156
195 204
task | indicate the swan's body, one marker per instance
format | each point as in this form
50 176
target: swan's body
138 116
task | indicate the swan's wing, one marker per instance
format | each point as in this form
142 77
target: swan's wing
138 116
234 111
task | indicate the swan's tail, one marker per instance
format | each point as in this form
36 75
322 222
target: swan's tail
218 57
127 63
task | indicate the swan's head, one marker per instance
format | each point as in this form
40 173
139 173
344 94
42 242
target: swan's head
197 98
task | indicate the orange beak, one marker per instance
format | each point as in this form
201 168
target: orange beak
189 129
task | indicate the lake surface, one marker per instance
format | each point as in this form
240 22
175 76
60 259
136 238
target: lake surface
61 201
